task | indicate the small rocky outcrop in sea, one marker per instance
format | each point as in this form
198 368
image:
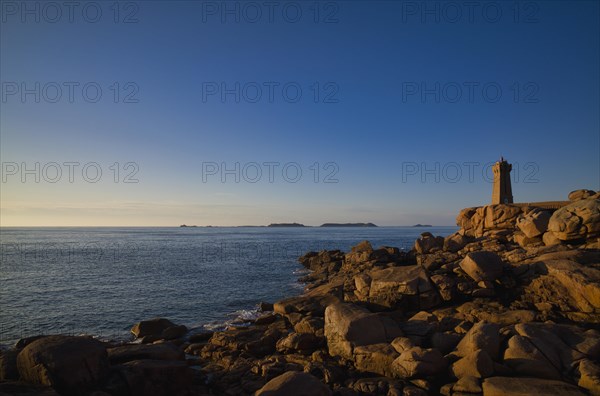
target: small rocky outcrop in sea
508 305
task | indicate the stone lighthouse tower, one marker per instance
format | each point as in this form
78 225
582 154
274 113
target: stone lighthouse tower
502 192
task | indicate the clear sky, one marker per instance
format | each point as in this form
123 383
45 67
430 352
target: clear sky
391 111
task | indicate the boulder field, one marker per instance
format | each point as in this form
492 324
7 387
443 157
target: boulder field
508 305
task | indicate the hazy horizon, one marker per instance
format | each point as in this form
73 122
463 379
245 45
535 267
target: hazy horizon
222 226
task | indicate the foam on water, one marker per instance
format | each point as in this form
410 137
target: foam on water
297 286
302 271
241 317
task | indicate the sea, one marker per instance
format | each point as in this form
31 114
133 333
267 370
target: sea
102 280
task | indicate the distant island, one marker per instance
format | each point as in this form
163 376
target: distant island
422 225
296 225
286 225
348 225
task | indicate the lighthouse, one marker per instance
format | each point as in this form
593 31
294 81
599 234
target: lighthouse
502 192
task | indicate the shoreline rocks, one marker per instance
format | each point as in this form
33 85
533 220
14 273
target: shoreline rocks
508 305
70 365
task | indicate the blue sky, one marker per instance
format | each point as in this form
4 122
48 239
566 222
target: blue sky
396 100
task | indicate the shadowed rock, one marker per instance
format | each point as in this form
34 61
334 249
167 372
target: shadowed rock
294 384
127 353
504 386
347 326
71 365
419 362
482 266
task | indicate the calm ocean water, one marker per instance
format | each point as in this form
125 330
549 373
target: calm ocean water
103 280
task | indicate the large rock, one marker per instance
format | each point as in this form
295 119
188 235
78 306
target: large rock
375 386
467 385
23 342
300 304
492 220
582 282
580 194
347 326
524 358
409 280
8 365
547 350
419 362
586 342
362 283
309 325
157 377
433 261
501 216
578 255
360 253
68 364
362 247
527 242
314 301
465 221
406 284
482 266
484 336
550 239
427 243
446 286
375 358
152 327
508 317
298 342
254 340
475 222
422 324
515 386
294 383
545 337
580 219
319 261
476 364
534 223
589 376
12 388
401 344
455 242
446 342
126 353
174 332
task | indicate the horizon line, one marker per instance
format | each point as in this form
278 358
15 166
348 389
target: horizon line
210 226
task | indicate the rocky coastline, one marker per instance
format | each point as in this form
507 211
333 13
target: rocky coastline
508 305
